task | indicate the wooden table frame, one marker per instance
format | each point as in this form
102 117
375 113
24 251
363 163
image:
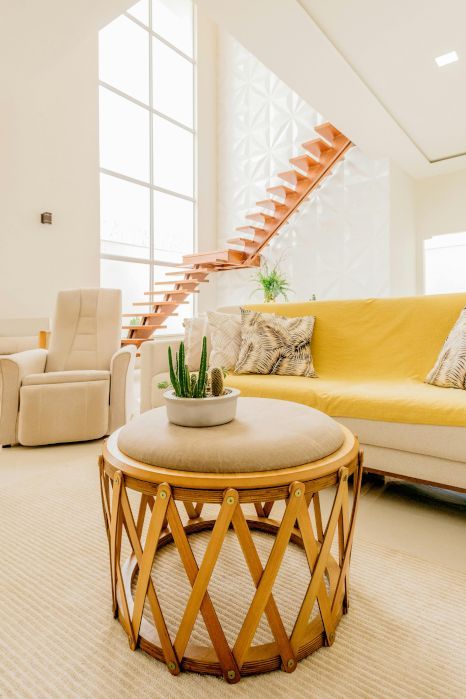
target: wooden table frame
163 491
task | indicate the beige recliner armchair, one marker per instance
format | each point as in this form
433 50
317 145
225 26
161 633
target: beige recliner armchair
81 388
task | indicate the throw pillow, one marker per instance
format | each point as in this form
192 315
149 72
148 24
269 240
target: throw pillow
194 331
272 344
225 333
450 368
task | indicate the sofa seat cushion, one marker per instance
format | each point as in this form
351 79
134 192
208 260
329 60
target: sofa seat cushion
408 401
49 377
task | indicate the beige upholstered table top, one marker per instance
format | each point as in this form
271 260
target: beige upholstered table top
266 434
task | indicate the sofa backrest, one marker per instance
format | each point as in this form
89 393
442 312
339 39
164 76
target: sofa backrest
23 327
19 334
86 329
376 338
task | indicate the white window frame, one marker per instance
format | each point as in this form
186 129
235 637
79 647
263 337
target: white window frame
450 244
152 260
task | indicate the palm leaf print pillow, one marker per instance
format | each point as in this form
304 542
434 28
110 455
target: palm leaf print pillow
450 368
272 344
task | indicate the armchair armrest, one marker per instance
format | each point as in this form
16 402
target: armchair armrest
13 368
154 360
121 387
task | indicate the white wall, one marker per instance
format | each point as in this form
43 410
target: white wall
49 147
50 150
404 260
338 245
441 204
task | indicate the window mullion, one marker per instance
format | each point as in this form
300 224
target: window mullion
151 156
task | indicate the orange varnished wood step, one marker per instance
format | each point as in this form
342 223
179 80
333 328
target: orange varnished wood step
184 282
316 149
262 220
158 303
172 292
327 132
282 194
305 166
162 314
138 340
146 327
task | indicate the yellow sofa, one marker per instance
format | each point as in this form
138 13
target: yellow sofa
371 356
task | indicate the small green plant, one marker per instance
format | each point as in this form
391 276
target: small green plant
186 385
272 282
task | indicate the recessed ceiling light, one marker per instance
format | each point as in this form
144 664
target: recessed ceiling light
446 58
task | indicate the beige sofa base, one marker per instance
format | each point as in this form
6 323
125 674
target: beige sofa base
417 468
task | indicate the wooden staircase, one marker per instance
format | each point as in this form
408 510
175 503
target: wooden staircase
308 170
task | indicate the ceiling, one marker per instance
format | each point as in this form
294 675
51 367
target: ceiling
391 45
368 67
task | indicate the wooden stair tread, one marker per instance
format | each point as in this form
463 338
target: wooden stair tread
148 315
327 132
189 282
188 271
252 233
283 193
145 327
306 166
316 148
290 180
138 340
262 219
159 303
172 292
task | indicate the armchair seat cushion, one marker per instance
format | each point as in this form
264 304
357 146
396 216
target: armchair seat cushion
50 377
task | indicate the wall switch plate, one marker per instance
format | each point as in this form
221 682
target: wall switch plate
46 217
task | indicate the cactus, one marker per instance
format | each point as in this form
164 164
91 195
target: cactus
184 384
193 384
173 377
216 381
201 387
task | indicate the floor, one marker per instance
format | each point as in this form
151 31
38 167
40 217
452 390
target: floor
425 522
408 574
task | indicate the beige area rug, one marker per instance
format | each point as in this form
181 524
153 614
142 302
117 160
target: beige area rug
405 634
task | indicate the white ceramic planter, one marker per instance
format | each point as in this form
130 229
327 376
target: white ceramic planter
201 412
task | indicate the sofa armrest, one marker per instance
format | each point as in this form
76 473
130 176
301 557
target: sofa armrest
13 368
154 360
121 387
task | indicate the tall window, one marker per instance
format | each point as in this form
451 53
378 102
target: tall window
445 263
147 147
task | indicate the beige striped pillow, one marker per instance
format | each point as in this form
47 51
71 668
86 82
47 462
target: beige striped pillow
272 344
450 368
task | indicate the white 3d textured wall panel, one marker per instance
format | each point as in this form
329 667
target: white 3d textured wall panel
337 246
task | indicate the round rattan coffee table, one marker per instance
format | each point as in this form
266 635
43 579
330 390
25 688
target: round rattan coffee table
156 479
